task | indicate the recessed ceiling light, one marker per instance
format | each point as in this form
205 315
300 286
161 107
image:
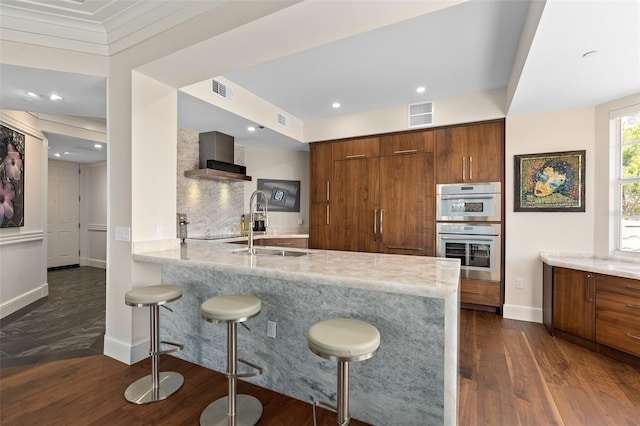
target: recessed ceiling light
66 153
421 89
97 146
590 54
251 129
55 97
33 95
57 154
336 105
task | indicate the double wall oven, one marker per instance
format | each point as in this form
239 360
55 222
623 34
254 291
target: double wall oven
468 228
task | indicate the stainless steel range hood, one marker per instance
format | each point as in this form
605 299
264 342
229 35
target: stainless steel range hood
216 159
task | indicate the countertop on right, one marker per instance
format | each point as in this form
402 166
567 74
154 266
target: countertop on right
599 264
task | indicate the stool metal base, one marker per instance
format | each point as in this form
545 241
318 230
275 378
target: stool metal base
142 392
248 412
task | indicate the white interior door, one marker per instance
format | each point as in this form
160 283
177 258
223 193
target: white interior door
63 229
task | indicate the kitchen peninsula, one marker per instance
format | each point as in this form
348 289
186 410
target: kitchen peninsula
412 300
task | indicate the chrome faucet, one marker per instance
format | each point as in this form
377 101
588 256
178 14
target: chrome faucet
254 196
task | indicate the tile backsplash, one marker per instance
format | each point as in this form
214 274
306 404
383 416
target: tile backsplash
213 207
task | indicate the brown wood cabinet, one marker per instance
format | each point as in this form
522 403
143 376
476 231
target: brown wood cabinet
479 292
470 153
320 162
598 311
618 313
380 197
354 203
282 242
574 302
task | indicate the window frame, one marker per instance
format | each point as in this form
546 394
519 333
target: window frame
617 181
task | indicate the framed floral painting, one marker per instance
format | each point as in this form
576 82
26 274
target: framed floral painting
11 178
550 182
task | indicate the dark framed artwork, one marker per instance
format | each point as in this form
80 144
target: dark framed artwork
11 178
550 182
284 195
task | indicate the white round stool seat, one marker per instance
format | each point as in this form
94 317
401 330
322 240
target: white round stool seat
230 308
344 339
152 295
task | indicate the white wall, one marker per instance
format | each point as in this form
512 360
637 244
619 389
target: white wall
528 233
281 165
93 210
480 106
23 250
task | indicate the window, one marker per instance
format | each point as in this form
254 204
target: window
627 142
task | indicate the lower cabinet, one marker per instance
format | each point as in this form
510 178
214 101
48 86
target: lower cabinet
597 310
478 292
574 302
618 313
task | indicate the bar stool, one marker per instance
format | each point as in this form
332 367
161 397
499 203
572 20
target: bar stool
343 340
158 385
233 409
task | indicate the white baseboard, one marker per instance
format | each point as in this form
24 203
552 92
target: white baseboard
19 302
522 313
124 352
96 263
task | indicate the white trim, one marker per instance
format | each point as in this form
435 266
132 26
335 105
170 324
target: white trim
96 263
97 227
522 313
22 237
19 302
124 352
618 113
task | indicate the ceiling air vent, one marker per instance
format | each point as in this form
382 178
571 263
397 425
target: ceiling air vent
421 114
222 89
283 120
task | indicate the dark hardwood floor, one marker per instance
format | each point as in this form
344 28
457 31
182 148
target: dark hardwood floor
510 373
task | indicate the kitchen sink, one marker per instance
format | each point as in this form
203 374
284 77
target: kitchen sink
260 251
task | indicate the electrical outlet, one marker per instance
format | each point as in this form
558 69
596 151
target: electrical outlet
519 282
271 329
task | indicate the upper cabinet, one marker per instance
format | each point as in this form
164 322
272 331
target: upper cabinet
320 167
407 143
470 153
356 148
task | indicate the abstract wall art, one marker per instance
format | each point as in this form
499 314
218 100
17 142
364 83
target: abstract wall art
12 146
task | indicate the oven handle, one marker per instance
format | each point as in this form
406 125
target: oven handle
467 237
467 197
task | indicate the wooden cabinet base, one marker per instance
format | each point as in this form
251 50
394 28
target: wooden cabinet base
599 348
479 292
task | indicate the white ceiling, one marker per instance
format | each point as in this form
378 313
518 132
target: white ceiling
468 47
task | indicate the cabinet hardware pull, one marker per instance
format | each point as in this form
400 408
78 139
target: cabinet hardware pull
284 244
470 167
632 306
464 166
471 292
327 190
587 288
355 156
375 225
633 287
405 248
405 151
635 337
327 214
381 213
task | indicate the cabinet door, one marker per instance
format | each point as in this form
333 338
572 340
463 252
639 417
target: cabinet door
356 148
320 226
319 172
470 153
574 302
451 152
406 204
485 159
407 143
354 202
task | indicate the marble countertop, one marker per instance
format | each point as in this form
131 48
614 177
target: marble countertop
413 275
616 266
257 236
